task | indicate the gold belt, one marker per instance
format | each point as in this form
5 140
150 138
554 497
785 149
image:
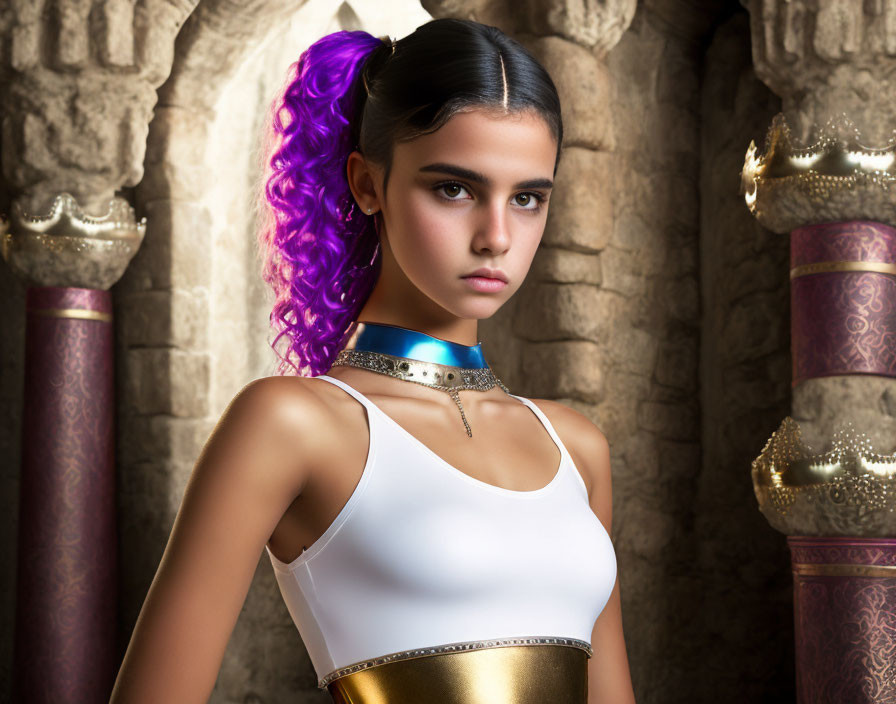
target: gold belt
502 672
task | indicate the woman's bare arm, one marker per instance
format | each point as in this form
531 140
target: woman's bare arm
252 467
609 679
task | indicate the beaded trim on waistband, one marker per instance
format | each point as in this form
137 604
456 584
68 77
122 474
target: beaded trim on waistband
454 648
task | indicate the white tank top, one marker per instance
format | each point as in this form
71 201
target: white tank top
423 555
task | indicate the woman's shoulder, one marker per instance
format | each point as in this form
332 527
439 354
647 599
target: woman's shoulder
585 441
571 423
278 397
296 398
301 407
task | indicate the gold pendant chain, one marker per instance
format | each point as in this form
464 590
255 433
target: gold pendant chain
437 376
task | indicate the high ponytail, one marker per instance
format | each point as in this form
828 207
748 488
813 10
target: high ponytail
320 254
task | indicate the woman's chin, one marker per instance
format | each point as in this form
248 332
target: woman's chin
481 310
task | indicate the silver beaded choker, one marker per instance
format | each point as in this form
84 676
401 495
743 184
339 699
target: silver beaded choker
445 377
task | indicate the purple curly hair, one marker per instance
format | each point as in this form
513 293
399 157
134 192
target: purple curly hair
321 254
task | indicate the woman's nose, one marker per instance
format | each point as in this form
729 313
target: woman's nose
493 229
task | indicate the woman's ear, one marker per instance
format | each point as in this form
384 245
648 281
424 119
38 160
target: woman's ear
362 177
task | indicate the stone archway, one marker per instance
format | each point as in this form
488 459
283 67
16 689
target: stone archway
192 305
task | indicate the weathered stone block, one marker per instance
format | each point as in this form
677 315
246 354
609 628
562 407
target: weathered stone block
633 539
167 381
595 24
630 231
755 323
681 298
77 132
626 271
558 265
175 252
581 210
571 368
677 421
117 33
617 414
183 438
155 27
632 349
676 364
175 318
136 441
494 12
25 46
72 38
145 318
26 11
642 456
566 311
150 438
176 155
32 145
584 84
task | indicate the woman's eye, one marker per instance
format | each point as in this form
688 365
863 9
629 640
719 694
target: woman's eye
453 191
528 201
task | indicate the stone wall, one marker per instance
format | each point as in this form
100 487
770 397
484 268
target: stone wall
745 608
649 333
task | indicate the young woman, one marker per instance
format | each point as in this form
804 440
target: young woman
435 537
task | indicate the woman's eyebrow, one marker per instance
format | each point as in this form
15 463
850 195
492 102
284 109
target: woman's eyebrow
544 183
458 171
477 177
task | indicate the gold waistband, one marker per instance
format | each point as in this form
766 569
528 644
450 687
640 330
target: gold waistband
511 671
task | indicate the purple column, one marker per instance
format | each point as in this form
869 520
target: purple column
65 632
845 618
843 299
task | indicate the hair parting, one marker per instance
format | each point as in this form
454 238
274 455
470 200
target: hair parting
504 81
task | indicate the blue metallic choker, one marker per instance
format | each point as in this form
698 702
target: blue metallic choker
411 344
414 356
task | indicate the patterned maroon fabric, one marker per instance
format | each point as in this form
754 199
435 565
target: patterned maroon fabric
861 240
65 641
845 620
843 322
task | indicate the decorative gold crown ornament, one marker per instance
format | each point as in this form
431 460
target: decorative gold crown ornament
848 490
834 179
68 247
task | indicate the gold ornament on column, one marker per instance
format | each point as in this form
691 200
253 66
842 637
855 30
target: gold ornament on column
835 178
848 490
69 248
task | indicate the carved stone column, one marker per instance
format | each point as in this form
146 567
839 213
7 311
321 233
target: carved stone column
828 177
66 581
78 84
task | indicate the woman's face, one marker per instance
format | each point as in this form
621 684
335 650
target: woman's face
472 194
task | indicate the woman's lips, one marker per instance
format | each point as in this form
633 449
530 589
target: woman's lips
483 283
